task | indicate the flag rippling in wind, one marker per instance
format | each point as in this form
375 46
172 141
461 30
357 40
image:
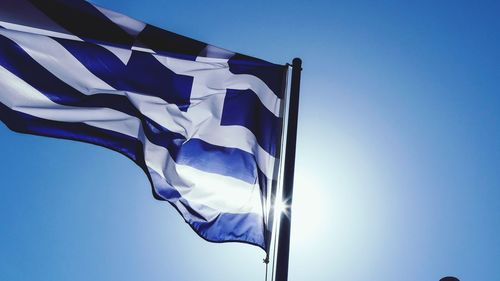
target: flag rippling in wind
203 123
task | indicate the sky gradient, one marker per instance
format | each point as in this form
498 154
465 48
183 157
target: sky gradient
398 156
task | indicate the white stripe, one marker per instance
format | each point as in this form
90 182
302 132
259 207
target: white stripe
218 192
121 53
130 25
216 52
38 31
20 96
56 59
142 49
222 193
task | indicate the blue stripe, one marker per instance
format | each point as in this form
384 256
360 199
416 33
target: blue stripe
248 228
170 44
273 75
221 160
245 228
24 123
17 61
243 108
196 153
85 21
143 73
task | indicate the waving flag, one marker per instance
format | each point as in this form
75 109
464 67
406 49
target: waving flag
203 123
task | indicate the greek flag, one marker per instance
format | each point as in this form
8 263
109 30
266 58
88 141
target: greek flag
202 122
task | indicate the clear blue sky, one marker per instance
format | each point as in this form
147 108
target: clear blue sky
398 164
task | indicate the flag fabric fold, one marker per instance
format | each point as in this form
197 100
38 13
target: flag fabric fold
202 122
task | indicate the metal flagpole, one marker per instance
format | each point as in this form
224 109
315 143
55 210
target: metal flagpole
288 174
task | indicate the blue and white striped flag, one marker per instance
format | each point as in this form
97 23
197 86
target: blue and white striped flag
202 122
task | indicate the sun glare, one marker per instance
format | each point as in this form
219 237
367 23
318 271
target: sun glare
281 207
308 207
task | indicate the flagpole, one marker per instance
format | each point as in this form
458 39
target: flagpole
283 249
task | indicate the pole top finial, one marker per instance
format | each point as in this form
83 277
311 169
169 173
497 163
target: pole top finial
297 63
